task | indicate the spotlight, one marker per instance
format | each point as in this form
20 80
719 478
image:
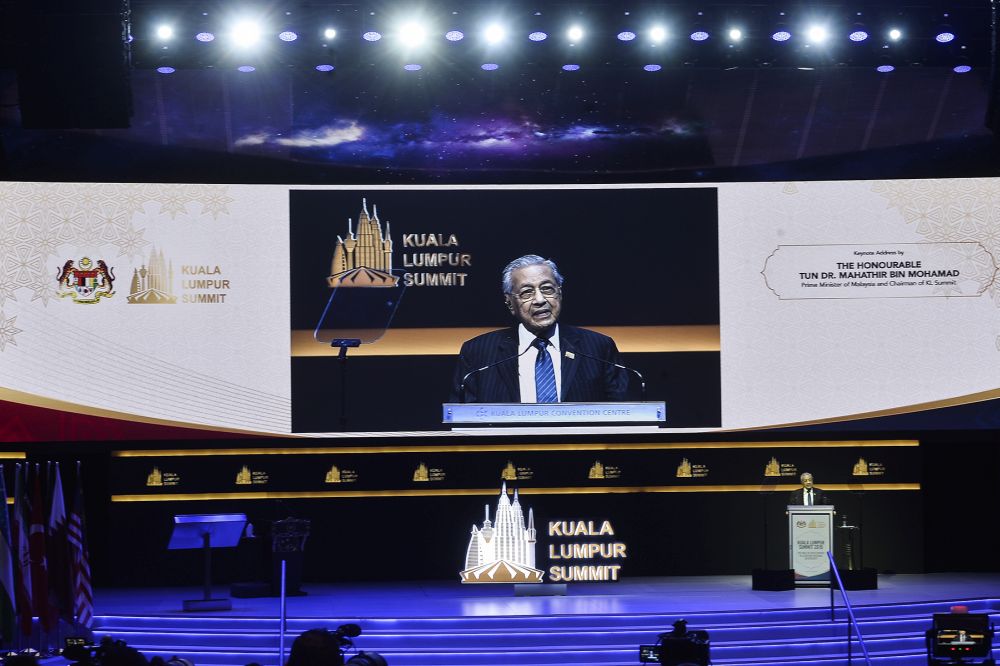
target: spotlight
205 37
858 36
287 36
246 33
494 33
246 69
371 36
324 68
538 36
413 67
895 34
412 34
781 36
816 34
699 36
489 66
626 36
735 34
885 69
944 37
961 69
571 68
329 33
575 33
652 68
165 70
165 32
657 33
454 35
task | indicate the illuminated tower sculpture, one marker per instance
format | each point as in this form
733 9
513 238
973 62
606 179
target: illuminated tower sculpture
503 551
363 259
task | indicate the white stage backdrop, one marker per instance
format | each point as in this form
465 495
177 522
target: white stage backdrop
837 299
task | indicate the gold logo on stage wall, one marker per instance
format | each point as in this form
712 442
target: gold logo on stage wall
363 259
153 282
684 469
155 478
596 471
868 468
246 477
424 473
338 475
601 471
503 551
775 468
509 472
86 283
158 478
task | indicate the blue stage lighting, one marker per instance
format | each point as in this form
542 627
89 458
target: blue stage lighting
329 33
454 35
571 68
626 36
538 36
944 37
164 32
412 67
781 36
575 33
858 36
205 37
371 36
885 69
324 68
287 36
652 68
246 33
490 66
165 70
699 36
246 69
961 69
658 34
494 33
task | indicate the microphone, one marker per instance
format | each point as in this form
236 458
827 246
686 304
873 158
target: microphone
642 380
461 386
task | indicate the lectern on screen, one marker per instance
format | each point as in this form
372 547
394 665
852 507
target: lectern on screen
962 638
207 531
360 308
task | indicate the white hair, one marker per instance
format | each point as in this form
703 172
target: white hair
524 262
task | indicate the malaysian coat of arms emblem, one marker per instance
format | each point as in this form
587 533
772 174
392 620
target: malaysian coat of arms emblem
87 282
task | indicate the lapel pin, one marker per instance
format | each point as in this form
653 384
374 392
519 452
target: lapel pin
570 354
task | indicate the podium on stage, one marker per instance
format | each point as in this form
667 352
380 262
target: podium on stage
810 536
553 413
207 531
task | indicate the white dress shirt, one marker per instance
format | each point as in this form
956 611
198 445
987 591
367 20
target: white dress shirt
526 362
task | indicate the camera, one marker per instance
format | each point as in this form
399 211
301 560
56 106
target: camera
679 647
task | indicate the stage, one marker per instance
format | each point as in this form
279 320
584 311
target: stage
446 623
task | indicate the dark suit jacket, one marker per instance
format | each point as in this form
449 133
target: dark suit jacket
819 497
583 379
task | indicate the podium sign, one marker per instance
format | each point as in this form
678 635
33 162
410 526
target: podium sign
810 536
517 413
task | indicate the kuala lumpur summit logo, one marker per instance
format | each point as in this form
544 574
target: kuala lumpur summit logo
87 282
364 258
152 283
503 551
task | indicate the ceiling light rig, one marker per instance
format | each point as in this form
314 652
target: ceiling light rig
958 39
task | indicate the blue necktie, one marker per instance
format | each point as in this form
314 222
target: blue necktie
545 376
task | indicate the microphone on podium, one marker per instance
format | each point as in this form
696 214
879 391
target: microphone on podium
642 380
461 387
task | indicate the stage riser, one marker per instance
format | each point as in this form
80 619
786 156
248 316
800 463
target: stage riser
894 635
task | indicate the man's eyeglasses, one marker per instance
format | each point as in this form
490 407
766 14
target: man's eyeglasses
527 294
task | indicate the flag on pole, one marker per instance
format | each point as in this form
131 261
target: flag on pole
7 614
39 561
60 588
83 594
19 539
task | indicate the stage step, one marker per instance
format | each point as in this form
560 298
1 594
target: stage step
789 637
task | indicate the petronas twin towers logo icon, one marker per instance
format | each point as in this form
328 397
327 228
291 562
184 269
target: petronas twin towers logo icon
503 551
364 258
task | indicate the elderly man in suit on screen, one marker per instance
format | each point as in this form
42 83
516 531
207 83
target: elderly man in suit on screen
538 359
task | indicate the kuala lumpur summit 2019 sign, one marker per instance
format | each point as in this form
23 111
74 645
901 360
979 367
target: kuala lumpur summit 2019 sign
364 257
503 550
